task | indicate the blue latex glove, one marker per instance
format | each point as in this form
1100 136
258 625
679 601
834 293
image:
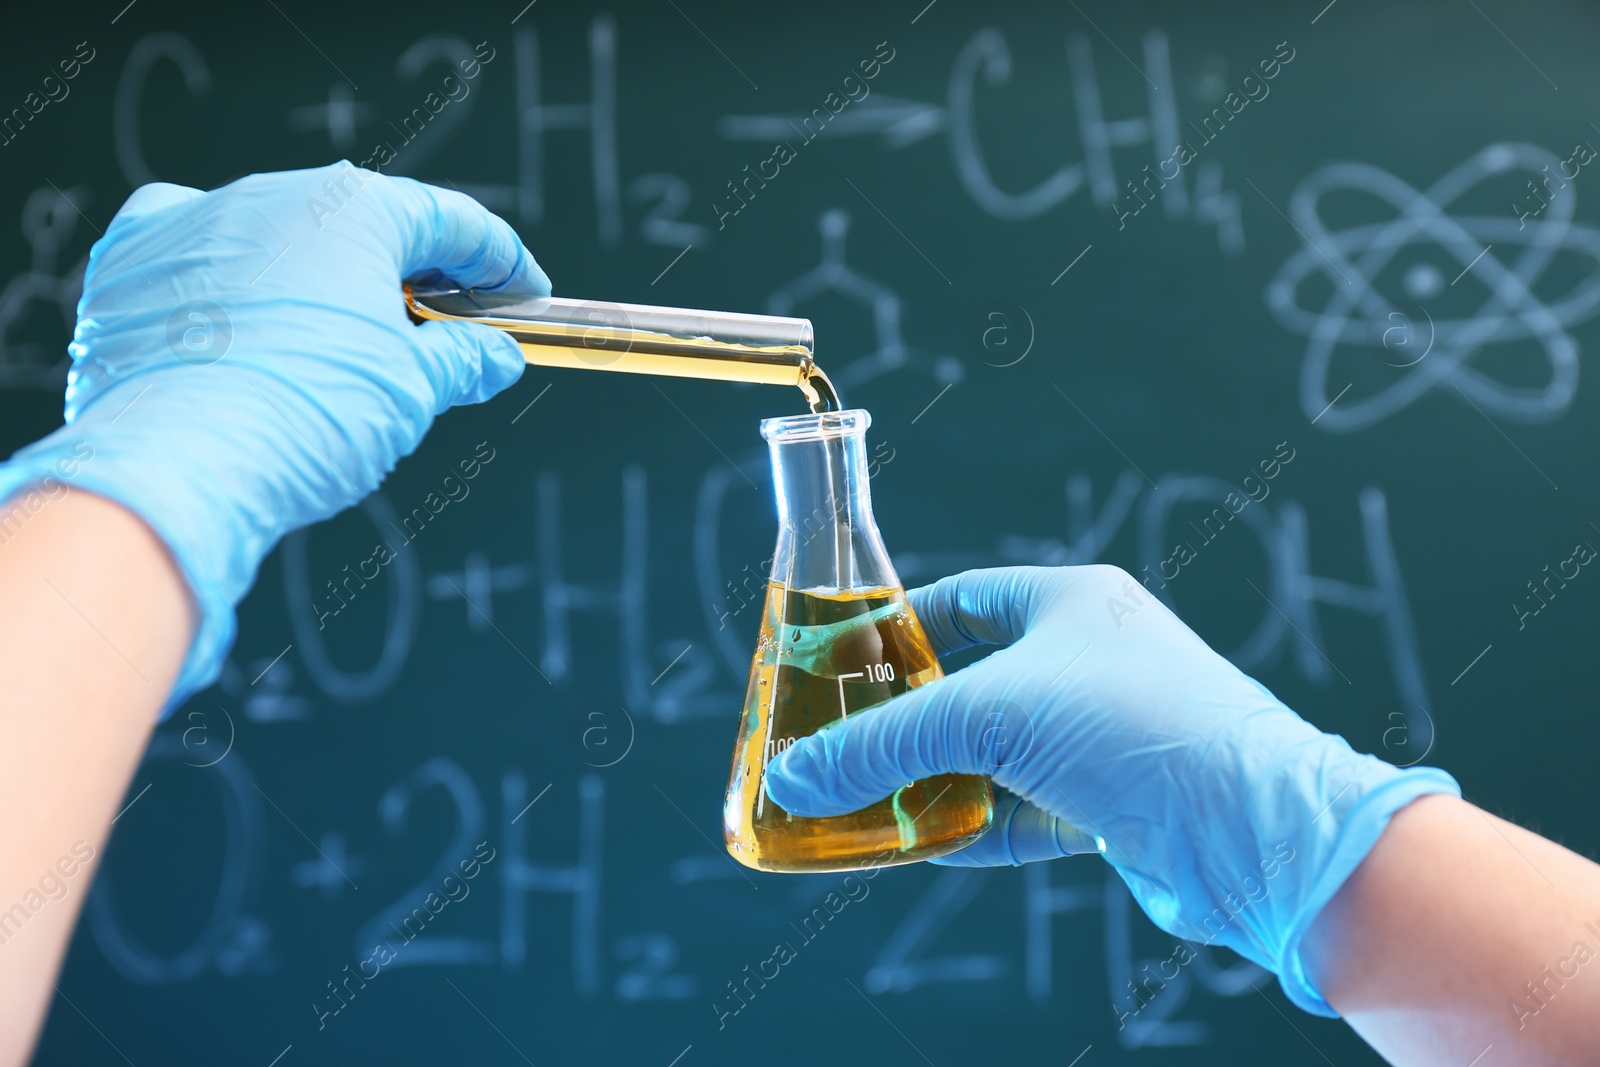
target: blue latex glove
1232 820
243 364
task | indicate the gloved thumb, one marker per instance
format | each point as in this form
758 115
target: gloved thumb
466 362
872 753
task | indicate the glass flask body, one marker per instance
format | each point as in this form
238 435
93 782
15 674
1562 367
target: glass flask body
837 636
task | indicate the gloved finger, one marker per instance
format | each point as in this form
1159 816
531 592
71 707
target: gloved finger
985 607
451 233
866 757
1022 833
466 362
150 198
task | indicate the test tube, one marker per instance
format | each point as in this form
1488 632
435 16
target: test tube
641 339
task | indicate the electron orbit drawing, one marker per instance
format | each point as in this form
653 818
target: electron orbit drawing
1506 256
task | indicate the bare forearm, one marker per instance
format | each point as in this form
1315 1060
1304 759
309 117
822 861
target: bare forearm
1463 936
95 627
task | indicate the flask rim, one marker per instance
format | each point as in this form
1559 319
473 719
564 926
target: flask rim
821 426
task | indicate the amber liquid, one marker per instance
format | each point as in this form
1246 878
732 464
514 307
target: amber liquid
822 656
609 342
690 358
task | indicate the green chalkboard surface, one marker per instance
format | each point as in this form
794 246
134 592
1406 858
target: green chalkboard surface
1091 267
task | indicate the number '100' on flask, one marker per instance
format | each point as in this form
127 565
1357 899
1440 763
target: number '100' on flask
837 636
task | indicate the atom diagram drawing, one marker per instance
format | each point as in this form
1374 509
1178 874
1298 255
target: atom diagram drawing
1504 255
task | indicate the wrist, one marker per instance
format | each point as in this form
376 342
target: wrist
1359 828
181 503
1259 832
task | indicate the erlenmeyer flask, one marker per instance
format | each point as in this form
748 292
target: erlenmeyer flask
837 636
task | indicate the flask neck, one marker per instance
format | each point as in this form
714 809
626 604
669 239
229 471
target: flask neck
827 536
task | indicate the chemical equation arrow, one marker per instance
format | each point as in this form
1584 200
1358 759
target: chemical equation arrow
901 122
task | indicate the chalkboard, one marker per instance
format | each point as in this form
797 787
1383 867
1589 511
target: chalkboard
1092 267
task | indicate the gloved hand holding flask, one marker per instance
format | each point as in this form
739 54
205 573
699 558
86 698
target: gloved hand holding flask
1232 820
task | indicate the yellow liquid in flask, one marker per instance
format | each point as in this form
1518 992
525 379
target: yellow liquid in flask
821 656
